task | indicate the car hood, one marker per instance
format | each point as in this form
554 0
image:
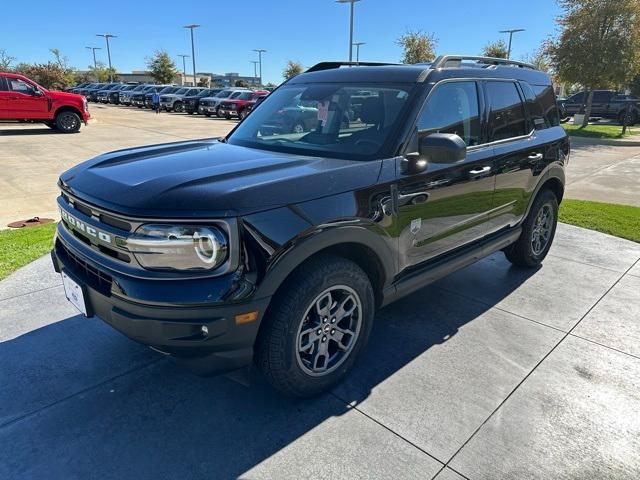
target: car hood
207 178
64 96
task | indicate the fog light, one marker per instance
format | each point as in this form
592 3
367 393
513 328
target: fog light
204 330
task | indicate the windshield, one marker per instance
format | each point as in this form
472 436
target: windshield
332 120
205 93
181 91
168 90
244 96
223 94
235 95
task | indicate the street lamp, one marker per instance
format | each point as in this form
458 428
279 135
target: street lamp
184 68
350 26
93 49
260 52
107 36
191 27
511 32
357 44
255 73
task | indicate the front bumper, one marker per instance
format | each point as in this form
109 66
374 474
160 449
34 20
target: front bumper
223 112
171 328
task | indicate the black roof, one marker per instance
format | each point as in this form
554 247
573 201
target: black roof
446 67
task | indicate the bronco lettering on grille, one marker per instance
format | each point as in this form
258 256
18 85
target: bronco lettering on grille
85 228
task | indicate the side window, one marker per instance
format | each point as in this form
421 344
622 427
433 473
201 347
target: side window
453 108
3 84
547 101
534 109
577 98
601 97
17 85
507 119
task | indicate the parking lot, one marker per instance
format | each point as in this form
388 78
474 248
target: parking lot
495 372
33 155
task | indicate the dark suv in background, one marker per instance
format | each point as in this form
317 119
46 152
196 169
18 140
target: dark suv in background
605 104
192 102
277 247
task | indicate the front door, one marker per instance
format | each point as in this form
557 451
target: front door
446 206
25 100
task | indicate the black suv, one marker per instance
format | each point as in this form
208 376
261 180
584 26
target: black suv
605 104
276 247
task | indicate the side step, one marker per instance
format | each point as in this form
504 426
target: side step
443 267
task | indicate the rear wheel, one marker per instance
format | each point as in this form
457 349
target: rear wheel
538 231
178 107
68 122
316 327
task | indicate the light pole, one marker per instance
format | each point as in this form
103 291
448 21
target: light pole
107 36
260 52
184 68
350 25
511 32
255 73
357 44
191 27
93 49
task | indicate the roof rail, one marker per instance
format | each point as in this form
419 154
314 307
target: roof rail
330 65
454 61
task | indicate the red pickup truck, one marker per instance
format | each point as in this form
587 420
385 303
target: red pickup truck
237 106
23 99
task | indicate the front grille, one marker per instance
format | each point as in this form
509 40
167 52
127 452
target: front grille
96 279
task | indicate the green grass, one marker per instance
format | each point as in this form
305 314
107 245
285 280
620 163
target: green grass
19 247
619 220
596 131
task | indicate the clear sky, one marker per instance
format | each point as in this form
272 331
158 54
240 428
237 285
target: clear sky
305 30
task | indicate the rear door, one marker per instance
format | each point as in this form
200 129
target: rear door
600 103
573 104
519 148
23 101
446 206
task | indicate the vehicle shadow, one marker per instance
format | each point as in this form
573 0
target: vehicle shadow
28 131
78 398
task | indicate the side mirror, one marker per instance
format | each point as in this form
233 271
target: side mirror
36 92
442 148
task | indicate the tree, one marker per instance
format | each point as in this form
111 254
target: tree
292 69
497 49
100 73
417 46
538 59
203 82
49 75
241 84
270 85
598 46
162 67
6 60
63 63
634 86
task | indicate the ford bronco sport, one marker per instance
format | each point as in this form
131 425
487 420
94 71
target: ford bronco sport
23 99
276 247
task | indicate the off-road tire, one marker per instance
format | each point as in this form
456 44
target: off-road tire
521 253
276 347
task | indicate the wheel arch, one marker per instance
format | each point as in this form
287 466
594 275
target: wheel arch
365 247
67 108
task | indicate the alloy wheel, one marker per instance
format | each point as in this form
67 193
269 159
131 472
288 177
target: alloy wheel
329 330
541 232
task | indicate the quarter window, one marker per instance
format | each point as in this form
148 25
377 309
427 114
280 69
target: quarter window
507 118
452 108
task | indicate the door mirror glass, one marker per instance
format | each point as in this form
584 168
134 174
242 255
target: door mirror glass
442 148
36 92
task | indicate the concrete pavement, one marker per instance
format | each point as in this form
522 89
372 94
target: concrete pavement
493 372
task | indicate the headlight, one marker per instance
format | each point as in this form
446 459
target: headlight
162 247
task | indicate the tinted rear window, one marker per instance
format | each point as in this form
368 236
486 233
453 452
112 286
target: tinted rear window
547 101
507 119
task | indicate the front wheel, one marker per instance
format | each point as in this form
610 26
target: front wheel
68 122
538 231
315 329
178 107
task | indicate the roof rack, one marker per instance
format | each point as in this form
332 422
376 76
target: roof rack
454 61
330 65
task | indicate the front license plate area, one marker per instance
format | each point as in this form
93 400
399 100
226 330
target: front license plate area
75 293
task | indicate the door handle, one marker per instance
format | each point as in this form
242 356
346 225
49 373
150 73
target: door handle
480 170
535 157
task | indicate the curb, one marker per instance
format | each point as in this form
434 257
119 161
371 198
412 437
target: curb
604 141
